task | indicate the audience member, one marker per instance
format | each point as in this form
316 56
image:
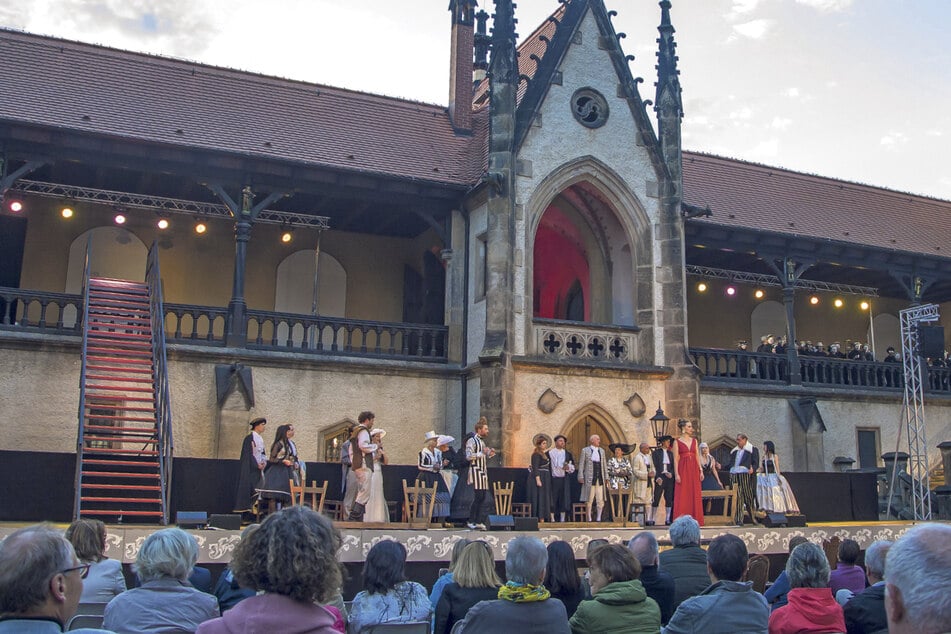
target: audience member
776 593
474 581
847 574
524 604
387 596
105 579
446 575
865 612
593 545
728 605
811 606
620 603
165 602
658 583
41 581
686 561
561 576
229 590
291 560
918 575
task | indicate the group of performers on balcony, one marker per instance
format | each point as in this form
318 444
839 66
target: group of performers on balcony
677 471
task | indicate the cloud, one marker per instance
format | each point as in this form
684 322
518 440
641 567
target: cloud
754 29
741 7
791 92
934 132
893 139
743 114
780 123
765 150
827 6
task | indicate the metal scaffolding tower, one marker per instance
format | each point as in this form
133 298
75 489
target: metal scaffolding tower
913 408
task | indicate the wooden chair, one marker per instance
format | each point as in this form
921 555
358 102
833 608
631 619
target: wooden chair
297 492
521 509
620 501
333 509
579 512
831 548
502 493
416 627
317 495
639 509
418 502
725 517
757 571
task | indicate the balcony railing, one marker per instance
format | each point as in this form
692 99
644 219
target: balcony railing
576 341
35 311
772 369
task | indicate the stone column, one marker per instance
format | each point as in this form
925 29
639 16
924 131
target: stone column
236 328
792 355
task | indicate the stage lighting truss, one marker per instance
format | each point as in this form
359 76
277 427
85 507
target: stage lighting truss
760 279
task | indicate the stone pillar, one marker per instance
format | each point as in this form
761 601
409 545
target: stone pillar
456 294
895 459
236 327
792 355
842 463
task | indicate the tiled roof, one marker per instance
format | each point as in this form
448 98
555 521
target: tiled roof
768 198
63 84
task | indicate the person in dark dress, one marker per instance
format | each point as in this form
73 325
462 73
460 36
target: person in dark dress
541 479
464 493
283 466
711 479
252 463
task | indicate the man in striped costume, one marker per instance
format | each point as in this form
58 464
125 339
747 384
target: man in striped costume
476 454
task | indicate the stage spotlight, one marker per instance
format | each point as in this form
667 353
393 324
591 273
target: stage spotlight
120 219
200 227
731 291
838 303
702 287
162 223
759 294
286 237
66 212
16 206
864 305
813 300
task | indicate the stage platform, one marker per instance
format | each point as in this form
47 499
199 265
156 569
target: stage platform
429 545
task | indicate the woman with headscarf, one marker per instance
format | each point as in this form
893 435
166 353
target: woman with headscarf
377 510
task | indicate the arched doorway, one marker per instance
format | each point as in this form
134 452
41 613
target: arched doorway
588 421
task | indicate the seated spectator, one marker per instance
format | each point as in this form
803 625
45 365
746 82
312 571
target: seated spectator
165 602
592 546
658 583
865 612
41 580
620 602
776 593
727 606
105 579
810 607
291 559
387 596
524 605
228 590
561 576
474 581
446 575
918 570
686 561
847 574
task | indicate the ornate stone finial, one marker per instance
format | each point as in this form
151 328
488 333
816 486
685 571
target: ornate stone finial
635 404
668 95
481 47
548 401
504 64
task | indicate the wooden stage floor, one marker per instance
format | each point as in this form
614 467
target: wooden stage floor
435 544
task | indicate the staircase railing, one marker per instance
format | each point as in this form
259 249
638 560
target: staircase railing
81 320
163 409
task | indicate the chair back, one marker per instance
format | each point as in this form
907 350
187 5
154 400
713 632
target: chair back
416 627
831 548
502 493
80 621
317 495
620 502
91 608
418 502
757 571
297 492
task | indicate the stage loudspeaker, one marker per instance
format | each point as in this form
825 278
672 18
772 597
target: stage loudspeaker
526 523
228 521
931 341
191 519
775 520
501 522
795 521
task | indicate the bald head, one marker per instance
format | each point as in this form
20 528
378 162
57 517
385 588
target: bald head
918 575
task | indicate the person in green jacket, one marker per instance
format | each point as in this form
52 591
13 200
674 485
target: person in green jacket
620 603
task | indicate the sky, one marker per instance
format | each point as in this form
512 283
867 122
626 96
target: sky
852 89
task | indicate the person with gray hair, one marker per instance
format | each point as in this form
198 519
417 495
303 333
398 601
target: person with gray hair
658 583
810 605
165 602
41 581
524 604
686 561
728 605
865 611
918 569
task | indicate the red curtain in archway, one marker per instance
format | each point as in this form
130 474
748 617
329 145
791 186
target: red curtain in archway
559 262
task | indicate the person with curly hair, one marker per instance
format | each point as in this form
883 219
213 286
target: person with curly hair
291 561
105 579
387 597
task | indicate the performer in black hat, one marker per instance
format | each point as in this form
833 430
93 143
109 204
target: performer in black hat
664 479
562 466
251 475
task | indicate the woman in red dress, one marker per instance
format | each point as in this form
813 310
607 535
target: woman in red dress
687 474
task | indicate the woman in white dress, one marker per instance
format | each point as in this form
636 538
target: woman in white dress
772 491
377 510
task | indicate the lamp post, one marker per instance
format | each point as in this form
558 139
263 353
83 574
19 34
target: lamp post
659 423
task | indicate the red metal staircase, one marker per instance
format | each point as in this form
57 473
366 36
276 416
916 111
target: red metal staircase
123 461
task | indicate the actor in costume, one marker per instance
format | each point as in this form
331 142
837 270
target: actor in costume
377 510
348 482
461 503
562 466
772 490
663 459
283 467
476 453
540 480
687 474
620 471
743 464
711 479
361 462
643 467
253 461
430 465
593 474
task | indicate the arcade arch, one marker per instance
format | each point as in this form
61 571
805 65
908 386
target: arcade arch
114 252
591 419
